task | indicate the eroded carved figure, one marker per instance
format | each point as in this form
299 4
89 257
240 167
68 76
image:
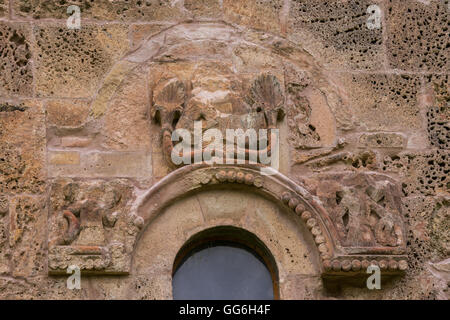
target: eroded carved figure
177 106
365 208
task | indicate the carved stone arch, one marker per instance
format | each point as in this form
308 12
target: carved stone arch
197 198
334 257
275 186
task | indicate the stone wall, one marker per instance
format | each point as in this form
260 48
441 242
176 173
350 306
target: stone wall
77 122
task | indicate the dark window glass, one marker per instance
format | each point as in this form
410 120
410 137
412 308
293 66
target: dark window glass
222 272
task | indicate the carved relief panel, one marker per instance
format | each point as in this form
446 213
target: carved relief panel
90 227
224 82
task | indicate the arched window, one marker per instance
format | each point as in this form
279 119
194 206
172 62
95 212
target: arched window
224 263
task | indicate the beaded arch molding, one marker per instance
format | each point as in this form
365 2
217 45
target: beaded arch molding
116 257
335 258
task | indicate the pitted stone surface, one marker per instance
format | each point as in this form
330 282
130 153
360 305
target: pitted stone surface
85 117
418 35
16 75
63 70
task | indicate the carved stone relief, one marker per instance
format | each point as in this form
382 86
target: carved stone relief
357 219
364 207
352 218
178 105
89 227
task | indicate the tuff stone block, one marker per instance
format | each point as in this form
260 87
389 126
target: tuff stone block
28 231
67 113
262 15
428 234
22 152
425 173
384 102
382 140
72 63
335 32
127 117
124 10
64 158
140 32
204 9
103 164
16 75
4 8
418 34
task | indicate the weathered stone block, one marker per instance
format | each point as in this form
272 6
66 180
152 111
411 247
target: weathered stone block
223 205
440 87
301 287
150 286
126 10
127 123
418 35
438 126
22 152
335 33
4 8
423 173
106 164
16 76
382 140
110 288
384 102
140 32
263 15
41 287
71 63
67 113
310 120
75 142
28 235
64 158
249 59
109 87
202 9
160 166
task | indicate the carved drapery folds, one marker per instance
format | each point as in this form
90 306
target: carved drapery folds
173 108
